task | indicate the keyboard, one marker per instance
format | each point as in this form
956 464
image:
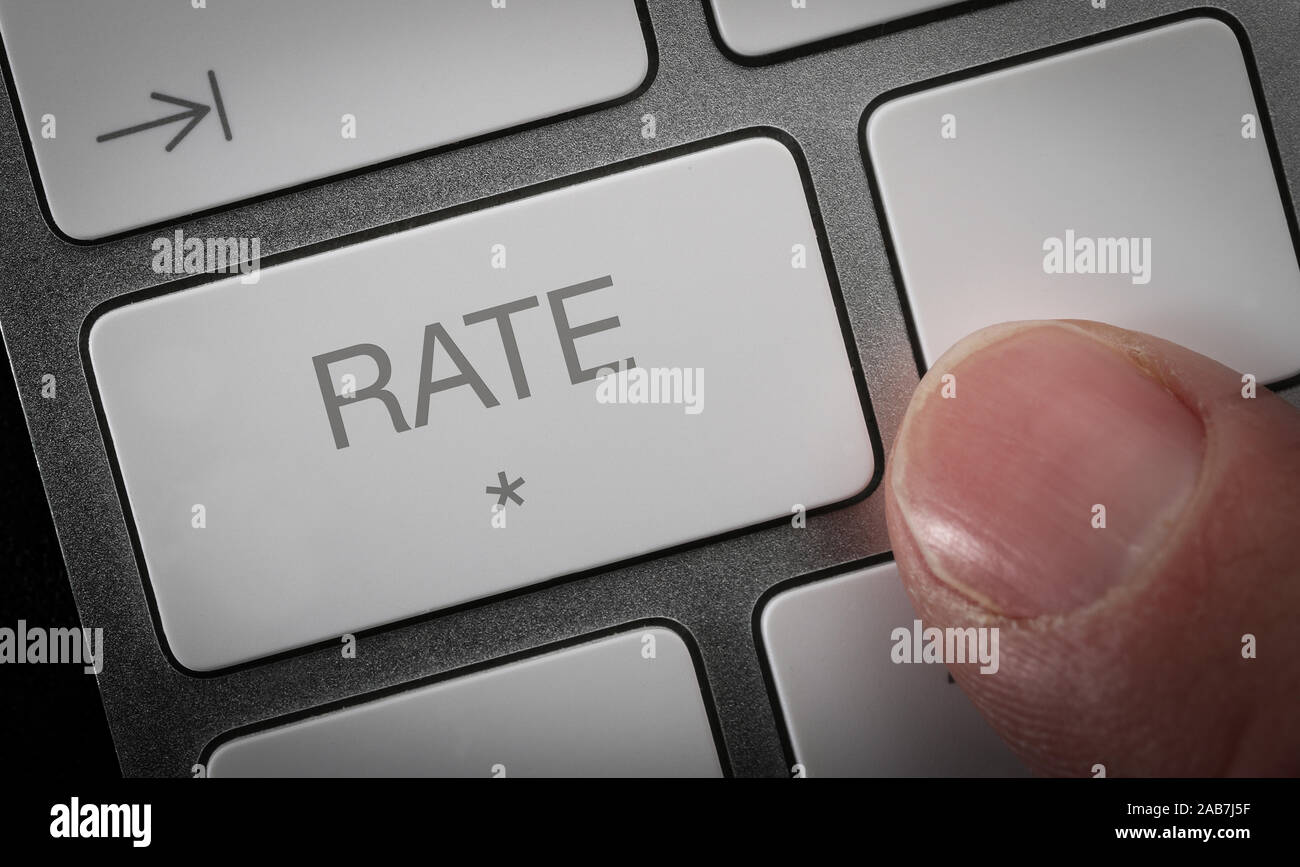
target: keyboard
500 388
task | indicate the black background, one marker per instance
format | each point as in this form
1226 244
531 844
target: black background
52 723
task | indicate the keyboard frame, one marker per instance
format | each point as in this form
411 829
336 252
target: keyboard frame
162 718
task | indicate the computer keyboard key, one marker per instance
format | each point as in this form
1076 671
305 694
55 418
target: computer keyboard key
397 426
161 110
1128 181
756 28
851 710
627 705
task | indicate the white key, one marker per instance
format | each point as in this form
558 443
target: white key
627 705
1145 148
322 518
754 28
275 83
849 709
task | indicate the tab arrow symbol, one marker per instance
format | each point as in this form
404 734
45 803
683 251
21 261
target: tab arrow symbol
194 112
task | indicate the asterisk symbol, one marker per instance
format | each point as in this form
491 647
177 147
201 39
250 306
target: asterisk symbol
506 490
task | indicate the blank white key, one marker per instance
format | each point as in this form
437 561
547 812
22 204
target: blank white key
849 709
1145 150
754 28
627 705
286 77
327 514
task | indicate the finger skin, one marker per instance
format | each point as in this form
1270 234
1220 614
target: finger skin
1150 679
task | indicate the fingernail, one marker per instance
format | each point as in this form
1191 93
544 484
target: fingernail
1055 472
